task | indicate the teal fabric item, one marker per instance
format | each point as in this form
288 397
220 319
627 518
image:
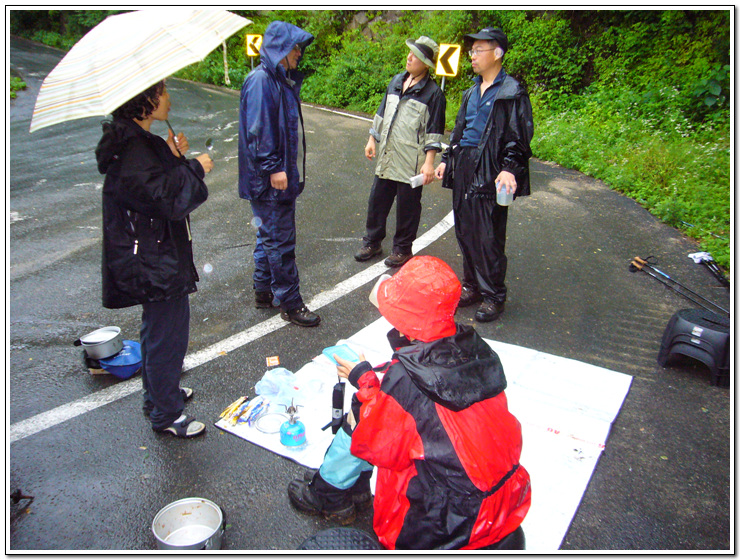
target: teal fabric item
340 468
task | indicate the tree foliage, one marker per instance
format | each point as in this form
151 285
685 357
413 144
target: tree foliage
638 98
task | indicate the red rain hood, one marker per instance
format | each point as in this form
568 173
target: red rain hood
420 299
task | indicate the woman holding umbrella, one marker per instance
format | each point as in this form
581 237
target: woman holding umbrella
149 191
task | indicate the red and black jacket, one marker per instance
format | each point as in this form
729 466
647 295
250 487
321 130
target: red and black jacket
446 447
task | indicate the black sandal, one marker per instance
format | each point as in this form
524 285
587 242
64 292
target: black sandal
188 427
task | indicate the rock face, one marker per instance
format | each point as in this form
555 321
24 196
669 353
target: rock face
362 21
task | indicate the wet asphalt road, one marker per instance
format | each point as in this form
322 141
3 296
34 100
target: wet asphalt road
663 482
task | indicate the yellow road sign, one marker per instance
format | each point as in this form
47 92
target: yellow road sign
448 60
254 42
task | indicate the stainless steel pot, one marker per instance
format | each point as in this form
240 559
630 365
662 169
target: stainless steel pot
189 524
102 343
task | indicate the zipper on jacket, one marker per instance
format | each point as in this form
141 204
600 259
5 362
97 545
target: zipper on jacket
132 220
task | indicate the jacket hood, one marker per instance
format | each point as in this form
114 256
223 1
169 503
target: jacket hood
455 372
115 136
420 299
280 38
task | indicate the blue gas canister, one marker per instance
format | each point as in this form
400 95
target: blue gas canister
292 432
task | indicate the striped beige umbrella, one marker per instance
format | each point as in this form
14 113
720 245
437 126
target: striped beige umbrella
125 54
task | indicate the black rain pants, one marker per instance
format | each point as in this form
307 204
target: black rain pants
408 214
480 228
165 329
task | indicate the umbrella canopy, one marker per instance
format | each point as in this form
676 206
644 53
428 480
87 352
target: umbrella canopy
125 54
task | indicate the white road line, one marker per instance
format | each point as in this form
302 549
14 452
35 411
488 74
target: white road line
65 412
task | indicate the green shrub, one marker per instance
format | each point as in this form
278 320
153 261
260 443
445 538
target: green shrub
16 84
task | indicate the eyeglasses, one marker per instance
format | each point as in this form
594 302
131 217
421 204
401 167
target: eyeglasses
477 52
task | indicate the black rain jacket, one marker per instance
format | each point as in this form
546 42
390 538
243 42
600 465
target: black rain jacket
147 196
504 145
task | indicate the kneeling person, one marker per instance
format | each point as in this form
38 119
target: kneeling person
437 428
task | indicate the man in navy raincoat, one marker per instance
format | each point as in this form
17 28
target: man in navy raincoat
272 164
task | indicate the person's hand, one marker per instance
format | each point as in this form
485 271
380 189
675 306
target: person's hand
180 143
439 173
506 180
370 148
344 367
428 171
206 161
279 180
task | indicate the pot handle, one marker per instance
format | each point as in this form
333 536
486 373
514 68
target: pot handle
77 342
219 533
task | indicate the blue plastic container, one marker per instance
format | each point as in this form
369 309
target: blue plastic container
126 363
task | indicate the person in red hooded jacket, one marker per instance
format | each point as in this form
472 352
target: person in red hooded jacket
437 427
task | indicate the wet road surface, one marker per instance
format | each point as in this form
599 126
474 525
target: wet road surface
98 478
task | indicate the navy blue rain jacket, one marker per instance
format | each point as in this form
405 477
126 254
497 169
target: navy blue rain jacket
270 117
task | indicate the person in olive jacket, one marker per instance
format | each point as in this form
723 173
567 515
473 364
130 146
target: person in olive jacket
406 135
490 151
149 191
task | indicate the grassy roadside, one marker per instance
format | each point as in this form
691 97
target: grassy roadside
682 177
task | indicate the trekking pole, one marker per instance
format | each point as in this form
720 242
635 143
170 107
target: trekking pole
648 264
643 265
707 260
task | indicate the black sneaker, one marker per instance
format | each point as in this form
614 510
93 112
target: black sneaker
367 252
263 300
397 259
469 296
303 499
301 317
489 311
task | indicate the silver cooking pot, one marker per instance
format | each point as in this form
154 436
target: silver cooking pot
189 524
102 343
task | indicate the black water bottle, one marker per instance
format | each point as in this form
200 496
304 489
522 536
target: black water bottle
337 407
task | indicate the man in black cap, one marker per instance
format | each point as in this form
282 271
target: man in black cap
489 151
406 136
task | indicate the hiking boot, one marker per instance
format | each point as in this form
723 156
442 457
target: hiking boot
263 300
397 259
367 252
489 311
362 497
304 499
469 296
301 317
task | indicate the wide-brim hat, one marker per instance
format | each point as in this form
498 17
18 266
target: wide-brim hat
488 34
421 298
424 49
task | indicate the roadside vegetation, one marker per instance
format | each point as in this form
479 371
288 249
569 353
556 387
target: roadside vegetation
16 84
637 98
